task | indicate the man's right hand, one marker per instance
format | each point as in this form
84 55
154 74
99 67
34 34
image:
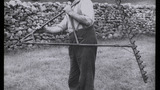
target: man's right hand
40 29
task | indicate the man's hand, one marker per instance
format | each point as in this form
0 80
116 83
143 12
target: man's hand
39 29
68 9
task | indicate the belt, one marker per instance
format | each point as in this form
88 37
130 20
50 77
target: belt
71 30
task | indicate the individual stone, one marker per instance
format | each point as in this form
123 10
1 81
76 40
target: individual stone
23 23
30 30
19 33
116 35
110 36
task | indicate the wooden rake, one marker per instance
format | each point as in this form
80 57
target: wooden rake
131 45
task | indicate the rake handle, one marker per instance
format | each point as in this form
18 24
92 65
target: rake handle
47 22
43 24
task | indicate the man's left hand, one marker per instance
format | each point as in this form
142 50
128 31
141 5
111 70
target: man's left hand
67 9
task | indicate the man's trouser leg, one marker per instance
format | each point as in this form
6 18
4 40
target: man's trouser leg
74 71
82 62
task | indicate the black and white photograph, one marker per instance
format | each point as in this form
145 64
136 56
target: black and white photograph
79 44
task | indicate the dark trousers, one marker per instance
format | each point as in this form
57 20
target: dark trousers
82 60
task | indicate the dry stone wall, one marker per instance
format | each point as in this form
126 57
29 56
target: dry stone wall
21 18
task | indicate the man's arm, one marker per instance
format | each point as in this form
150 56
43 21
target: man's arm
58 28
81 18
54 29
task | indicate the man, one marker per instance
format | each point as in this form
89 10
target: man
82 58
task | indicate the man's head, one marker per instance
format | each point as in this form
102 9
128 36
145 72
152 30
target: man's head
71 0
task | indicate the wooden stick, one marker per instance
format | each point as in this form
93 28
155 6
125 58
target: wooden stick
74 44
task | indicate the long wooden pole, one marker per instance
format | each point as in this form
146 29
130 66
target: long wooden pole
74 44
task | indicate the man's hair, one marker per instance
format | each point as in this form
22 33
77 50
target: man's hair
71 0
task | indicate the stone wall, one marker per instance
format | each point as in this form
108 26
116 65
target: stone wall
21 18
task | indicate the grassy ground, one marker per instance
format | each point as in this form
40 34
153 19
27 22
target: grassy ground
48 68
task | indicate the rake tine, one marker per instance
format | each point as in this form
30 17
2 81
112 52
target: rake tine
131 37
145 80
144 72
138 56
133 42
142 66
140 62
134 47
145 77
136 52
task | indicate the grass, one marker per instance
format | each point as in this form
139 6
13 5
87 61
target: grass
48 68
